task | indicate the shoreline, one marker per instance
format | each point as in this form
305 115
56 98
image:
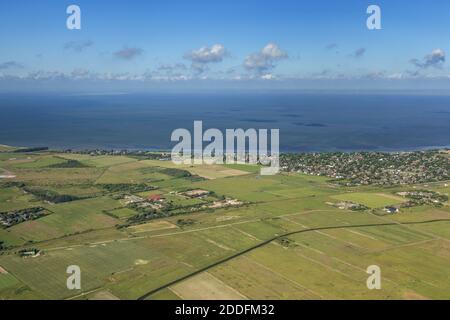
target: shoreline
285 151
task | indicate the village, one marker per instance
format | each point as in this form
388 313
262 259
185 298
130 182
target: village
372 168
8 219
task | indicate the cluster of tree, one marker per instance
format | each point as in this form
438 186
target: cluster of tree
180 173
150 210
423 197
146 215
195 178
68 164
427 194
286 242
185 222
26 150
127 187
50 196
12 184
177 173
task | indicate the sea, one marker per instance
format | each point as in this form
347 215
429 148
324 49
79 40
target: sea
308 122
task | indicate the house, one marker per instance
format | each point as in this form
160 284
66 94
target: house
155 198
7 176
33 253
391 210
197 193
133 199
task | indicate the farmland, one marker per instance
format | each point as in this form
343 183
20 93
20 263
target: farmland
137 233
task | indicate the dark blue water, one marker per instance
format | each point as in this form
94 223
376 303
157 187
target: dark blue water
307 122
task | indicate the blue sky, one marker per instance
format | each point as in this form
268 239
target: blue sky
293 44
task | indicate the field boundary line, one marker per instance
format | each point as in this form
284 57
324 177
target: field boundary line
226 259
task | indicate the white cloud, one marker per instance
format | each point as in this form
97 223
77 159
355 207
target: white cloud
434 59
216 53
265 59
272 51
268 76
206 55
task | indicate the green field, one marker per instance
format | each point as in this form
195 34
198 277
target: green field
285 242
39 162
13 198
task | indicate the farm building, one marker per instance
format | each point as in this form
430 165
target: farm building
155 198
197 193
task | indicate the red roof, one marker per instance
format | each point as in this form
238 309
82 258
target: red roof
155 197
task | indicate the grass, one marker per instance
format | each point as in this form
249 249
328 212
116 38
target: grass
251 168
122 213
76 190
205 287
45 177
144 263
152 226
206 171
7 281
165 294
10 238
98 161
15 199
40 162
132 172
332 266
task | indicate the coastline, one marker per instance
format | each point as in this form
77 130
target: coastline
155 149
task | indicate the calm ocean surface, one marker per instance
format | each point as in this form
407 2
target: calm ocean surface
307 122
